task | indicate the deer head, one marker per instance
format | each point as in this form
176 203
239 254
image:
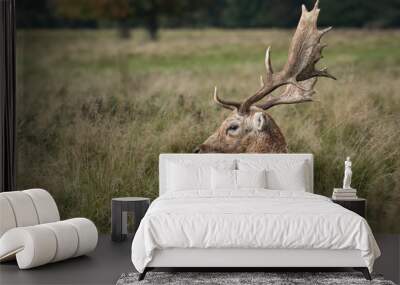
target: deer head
249 128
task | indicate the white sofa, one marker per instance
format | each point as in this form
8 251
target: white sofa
31 230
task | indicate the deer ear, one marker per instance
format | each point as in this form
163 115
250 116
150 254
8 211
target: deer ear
259 121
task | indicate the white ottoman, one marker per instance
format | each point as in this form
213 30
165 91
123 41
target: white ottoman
31 232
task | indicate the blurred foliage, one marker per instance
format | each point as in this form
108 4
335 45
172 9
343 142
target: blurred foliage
111 10
153 14
123 14
92 9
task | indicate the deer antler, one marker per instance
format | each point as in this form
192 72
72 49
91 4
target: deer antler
304 52
293 94
224 103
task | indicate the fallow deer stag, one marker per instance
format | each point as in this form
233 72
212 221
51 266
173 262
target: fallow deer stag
249 128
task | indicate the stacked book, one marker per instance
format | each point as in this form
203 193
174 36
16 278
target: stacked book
344 194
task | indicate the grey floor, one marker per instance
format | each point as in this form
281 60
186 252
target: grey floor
110 260
103 266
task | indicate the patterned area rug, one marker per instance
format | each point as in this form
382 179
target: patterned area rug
233 278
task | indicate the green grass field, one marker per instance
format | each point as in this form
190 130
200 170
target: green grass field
95 111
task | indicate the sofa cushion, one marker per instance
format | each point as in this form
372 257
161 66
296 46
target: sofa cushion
40 244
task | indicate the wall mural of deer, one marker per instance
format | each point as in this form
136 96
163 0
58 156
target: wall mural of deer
249 128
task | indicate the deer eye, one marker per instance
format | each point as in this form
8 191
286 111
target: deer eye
232 128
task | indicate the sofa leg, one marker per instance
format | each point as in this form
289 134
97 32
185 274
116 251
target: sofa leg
143 274
364 271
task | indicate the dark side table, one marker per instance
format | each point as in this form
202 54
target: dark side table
357 205
120 207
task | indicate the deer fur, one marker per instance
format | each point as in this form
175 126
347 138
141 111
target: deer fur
249 128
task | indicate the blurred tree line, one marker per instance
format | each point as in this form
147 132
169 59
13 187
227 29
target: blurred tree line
153 14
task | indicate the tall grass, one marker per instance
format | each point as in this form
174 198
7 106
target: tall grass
94 111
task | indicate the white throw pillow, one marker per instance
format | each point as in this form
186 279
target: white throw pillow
281 174
223 179
190 176
187 177
226 179
251 178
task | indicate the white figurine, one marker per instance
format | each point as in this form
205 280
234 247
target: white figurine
347 174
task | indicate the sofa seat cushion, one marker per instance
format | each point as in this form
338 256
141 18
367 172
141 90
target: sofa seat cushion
40 244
